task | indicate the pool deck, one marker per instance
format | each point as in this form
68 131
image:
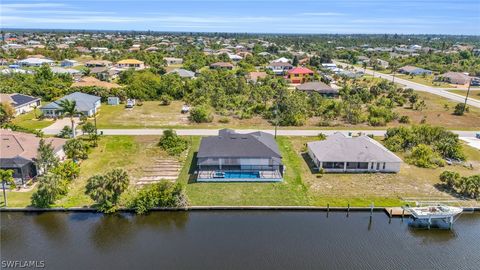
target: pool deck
264 176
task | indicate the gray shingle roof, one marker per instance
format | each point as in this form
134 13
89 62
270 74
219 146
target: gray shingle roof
231 144
85 102
319 87
339 147
183 73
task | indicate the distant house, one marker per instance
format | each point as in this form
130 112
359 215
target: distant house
279 68
20 103
282 60
341 153
221 65
183 73
69 63
98 63
234 57
382 63
255 75
300 75
330 66
86 104
173 61
318 87
151 49
131 63
231 156
411 70
70 71
18 152
113 101
35 62
454 77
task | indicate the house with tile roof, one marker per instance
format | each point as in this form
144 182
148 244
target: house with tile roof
300 75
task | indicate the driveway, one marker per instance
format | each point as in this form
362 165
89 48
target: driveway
419 87
58 125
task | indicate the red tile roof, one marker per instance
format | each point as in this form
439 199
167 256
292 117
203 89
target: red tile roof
300 70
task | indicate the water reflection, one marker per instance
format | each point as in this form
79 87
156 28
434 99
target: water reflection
53 225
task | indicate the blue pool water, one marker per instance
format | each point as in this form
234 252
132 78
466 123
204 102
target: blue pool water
249 175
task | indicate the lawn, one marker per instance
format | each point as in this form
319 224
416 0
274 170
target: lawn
289 192
427 80
475 93
29 121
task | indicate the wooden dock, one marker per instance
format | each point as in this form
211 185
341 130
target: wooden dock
396 212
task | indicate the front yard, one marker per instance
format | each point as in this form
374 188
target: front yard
29 121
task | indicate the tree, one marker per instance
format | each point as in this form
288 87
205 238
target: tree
49 190
364 65
460 108
89 128
172 143
6 112
69 109
295 61
76 149
46 158
201 114
6 176
106 189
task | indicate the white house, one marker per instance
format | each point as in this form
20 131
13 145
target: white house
234 57
341 153
69 63
173 61
86 104
35 62
281 60
21 103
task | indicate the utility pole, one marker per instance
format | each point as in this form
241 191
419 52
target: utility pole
466 97
95 122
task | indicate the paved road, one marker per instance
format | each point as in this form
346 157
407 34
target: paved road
467 136
283 132
420 87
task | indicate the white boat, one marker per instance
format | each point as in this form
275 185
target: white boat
428 215
437 211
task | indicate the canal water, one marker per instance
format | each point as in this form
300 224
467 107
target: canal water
236 240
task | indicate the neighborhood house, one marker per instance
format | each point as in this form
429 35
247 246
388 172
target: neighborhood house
300 75
341 153
234 157
319 87
19 152
21 103
86 105
131 63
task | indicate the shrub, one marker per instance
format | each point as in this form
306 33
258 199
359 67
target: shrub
65 133
201 114
165 99
162 194
404 119
376 121
423 156
224 120
172 143
76 149
460 109
449 178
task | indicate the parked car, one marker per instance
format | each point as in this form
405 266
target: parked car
185 108
130 103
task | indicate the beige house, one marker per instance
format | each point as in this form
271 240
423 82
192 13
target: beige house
131 63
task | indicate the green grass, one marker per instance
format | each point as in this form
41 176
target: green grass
29 121
474 93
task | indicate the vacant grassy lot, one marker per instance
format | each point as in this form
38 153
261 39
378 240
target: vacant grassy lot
29 121
437 114
382 189
131 153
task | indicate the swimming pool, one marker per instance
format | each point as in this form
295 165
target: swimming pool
240 175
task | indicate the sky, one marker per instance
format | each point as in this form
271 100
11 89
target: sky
263 16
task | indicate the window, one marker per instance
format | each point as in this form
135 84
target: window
383 165
363 165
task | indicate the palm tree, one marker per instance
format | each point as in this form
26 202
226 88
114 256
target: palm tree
6 176
393 67
69 109
364 65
